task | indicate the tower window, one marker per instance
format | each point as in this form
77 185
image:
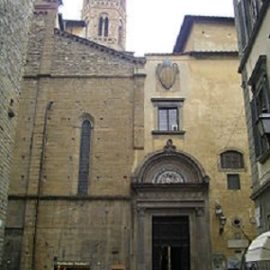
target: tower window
100 26
106 27
84 157
103 25
123 3
120 33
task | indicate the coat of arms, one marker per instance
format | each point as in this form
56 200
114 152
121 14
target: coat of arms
166 73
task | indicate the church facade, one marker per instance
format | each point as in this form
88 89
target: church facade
125 162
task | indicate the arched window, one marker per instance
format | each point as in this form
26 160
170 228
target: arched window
86 27
100 26
123 3
84 157
120 33
106 27
103 25
231 160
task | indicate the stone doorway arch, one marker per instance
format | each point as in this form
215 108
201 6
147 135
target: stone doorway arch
171 186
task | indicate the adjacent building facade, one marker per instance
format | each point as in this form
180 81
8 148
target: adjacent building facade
252 19
196 179
129 163
14 25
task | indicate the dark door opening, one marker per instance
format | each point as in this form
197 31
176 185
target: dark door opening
170 247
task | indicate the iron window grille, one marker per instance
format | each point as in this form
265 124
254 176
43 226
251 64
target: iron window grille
232 160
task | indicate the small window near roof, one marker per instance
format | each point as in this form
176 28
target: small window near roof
231 160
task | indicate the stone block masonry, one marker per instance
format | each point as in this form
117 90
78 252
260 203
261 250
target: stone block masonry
15 17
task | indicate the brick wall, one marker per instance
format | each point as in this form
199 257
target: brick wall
14 21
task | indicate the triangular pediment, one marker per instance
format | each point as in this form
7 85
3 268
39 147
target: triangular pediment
76 55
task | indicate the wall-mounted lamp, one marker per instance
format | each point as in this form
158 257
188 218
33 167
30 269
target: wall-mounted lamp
263 124
222 219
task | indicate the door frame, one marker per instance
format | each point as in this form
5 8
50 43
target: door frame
186 223
172 200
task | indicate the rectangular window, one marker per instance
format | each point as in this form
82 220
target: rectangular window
168 115
168 119
233 182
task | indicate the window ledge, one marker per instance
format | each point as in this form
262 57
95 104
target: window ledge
234 170
168 132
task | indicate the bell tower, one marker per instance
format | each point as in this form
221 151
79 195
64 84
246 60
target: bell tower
106 22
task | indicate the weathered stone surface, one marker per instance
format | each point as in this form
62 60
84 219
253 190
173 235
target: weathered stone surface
82 79
115 12
14 25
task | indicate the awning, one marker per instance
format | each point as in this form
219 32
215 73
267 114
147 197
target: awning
259 249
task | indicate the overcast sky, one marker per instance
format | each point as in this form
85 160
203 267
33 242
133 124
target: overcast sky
153 25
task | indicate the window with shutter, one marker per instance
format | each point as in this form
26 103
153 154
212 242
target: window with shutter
260 104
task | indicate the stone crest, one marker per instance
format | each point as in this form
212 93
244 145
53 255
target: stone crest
169 147
166 73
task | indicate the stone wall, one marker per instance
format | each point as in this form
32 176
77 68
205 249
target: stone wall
14 22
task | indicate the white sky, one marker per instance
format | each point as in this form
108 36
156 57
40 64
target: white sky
153 25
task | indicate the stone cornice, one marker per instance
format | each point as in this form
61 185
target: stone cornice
70 198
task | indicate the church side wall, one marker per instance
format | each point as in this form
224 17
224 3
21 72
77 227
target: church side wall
82 80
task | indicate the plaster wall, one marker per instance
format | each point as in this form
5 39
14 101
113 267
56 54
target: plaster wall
213 119
208 36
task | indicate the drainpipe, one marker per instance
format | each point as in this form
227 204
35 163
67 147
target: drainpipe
40 176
